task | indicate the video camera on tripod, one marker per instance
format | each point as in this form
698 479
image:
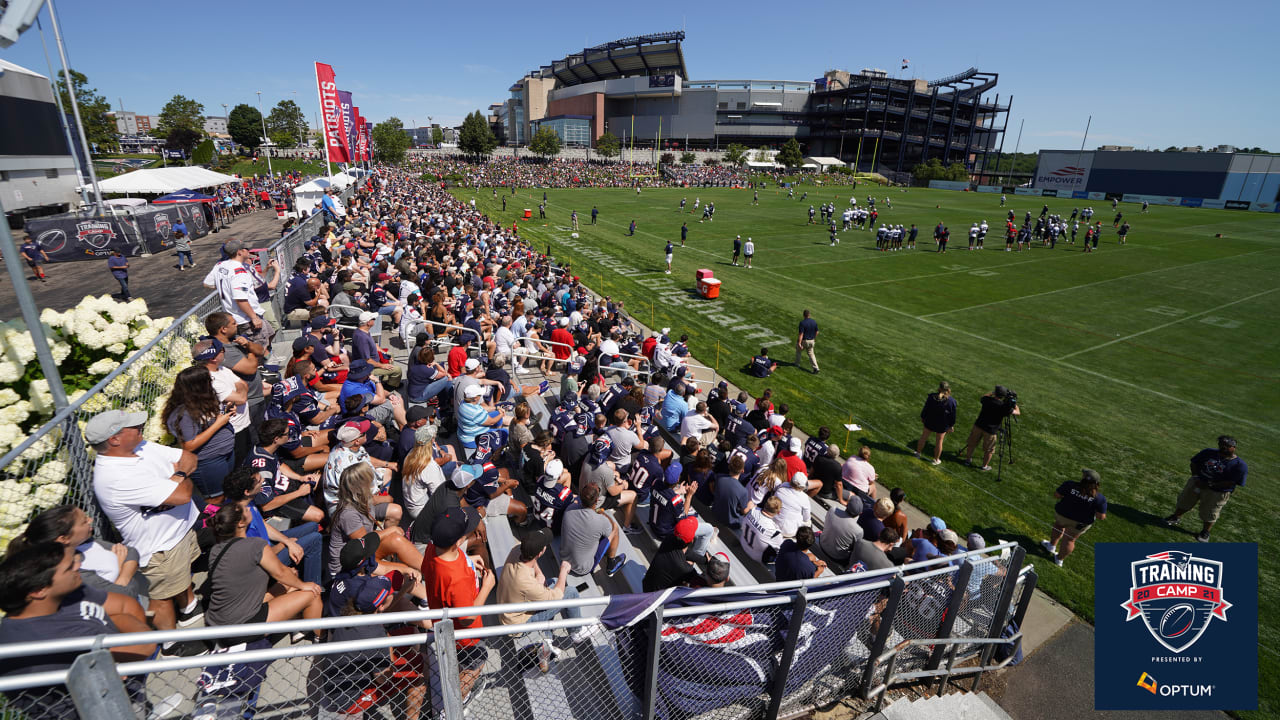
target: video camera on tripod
1004 437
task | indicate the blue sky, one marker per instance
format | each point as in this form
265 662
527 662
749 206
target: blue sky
1173 73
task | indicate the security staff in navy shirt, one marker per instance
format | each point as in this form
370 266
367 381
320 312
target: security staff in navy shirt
806 336
1215 474
761 366
1079 505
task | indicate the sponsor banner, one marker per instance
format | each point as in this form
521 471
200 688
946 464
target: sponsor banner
1131 198
1097 196
1237 204
357 133
1063 170
990 189
1214 204
331 113
1049 193
1190 202
662 81
67 239
948 185
1177 624
1007 189
1079 195
1264 207
348 122
1026 191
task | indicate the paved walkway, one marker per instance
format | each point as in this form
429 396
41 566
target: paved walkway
154 278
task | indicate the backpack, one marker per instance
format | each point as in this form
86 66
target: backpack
1010 649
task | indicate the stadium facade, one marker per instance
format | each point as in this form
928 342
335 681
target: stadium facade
638 89
1234 181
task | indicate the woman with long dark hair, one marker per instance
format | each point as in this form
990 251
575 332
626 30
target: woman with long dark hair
202 426
103 565
939 418
1080 503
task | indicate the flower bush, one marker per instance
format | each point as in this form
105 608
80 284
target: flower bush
88 342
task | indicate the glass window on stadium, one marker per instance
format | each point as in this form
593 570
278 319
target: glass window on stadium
573 131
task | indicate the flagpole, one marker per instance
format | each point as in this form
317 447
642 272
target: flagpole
1083 140
324 127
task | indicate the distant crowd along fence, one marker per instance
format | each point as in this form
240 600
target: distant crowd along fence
141 384
735 652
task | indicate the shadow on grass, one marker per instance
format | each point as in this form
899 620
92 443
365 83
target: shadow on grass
996 533
1190 522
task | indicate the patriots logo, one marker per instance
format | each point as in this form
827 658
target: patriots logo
1177 595
1068 171
163 227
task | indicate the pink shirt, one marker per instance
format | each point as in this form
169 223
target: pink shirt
859 473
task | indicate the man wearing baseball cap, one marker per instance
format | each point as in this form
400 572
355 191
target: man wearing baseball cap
238 293
522 581
364 348
455 579
671 567
1215 475
1080 503
350 451
144 489
553 496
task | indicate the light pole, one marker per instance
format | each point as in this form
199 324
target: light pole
265 139
302 140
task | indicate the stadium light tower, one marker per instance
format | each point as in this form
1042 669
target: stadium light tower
265 139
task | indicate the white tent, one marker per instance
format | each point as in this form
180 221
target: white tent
308 195
163 180
823 163
125 202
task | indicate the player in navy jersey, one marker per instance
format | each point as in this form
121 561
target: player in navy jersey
816 447
553 495
646 469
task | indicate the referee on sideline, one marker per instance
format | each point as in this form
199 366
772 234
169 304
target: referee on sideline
806 336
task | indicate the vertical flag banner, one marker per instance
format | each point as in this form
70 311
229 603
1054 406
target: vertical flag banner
335 141
357 133
348 123
368 141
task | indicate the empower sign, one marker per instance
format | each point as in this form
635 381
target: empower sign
1063 170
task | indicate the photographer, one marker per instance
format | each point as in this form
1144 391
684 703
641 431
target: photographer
1215 474
1079 505
996 406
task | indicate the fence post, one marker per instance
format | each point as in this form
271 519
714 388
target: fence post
788 652
652 656
446 650
961 581
882 634
1028 589
96 688
999 615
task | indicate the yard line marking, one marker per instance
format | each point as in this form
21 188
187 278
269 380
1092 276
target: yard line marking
1098 282
1165 325
993 268
1015 348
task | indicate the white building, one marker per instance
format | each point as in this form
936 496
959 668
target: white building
37 170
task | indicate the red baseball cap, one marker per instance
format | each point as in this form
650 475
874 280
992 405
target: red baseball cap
686 529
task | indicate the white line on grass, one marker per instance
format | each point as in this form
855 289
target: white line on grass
948 272
1165 325
1085 285
1015 348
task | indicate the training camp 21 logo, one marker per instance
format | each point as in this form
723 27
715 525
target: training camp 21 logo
1177 595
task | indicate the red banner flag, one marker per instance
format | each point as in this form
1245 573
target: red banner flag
356 127
368 141
335 140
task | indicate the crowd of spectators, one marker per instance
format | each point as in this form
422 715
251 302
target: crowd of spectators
350 483
530 171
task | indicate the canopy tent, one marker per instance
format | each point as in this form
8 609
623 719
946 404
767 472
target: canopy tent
824 162
124 202
309 195
184 195
164 180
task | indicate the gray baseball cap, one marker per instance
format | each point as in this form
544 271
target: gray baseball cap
104 426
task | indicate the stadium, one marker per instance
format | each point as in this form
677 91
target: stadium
639 89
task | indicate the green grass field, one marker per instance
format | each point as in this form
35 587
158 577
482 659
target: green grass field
1128 360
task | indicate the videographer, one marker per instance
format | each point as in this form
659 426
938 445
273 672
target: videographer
1215 474
996 406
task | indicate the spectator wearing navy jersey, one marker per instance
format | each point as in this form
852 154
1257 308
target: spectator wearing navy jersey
553 496
939 418
672 503
761 366
795 560
285 492
828 471
1080 503
298 547
815 447
1215 475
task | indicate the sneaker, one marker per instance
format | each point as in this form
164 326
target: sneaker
165 707
916 454
1057 561
581 635
543 387
1202 537
615 564
935 461
1172 521
1049 548
189 617
985 468
633 530
522 370
477 689
544 656
183 648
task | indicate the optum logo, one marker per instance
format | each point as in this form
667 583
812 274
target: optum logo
1148 683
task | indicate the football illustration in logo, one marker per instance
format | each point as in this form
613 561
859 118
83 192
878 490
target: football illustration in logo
95 234
163 227
1177 595
51 241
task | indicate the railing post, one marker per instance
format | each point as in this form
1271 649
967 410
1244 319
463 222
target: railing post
446 650
794 629
999 616
652 656
882 635
1028 589
953 608
96 688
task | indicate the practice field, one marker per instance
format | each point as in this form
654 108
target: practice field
1128 360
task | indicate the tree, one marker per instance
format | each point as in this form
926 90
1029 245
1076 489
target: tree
688 158
390 141
437 136
182 138
99 127
286 119
545 142
1171 148
790 155
608 145
667 158
476 137
203 154
181 112
244 125
736 154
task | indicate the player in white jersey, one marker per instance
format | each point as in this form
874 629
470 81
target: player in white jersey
760 535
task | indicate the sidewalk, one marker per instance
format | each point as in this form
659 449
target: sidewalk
154 278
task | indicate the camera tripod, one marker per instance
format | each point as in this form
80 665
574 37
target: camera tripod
1004 440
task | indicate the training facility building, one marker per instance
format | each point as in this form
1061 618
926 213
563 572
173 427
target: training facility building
1235 181
38 173
639 90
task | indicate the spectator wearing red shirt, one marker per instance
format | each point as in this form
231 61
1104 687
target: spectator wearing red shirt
563 339
457 359
795 464
454 579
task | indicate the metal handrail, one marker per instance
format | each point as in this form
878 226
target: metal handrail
945 673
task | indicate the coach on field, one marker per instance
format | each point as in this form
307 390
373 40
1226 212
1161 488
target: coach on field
806 336
1215 474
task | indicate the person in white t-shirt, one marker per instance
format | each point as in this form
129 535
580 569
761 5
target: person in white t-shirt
238 293
795 504
858 474
230 390
699 424
144 489
748 252
760 535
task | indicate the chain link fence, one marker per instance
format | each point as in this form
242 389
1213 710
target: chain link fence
54 466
